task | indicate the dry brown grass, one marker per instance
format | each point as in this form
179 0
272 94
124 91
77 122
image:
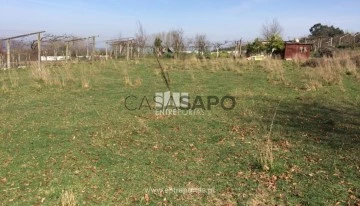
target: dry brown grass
327 74
265 153
262 197
4 86
85 77
275 70
13 77
68 198
103 137
136 83
265 146
62 74
330 71
212 65
56 75
298 61
127 80
347 61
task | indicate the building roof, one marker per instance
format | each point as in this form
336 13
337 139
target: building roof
296 43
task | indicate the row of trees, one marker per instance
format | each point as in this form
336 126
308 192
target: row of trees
319 30
173 40
272 42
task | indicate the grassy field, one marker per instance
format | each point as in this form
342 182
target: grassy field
67 138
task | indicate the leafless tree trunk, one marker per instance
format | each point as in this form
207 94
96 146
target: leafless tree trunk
271 28
217 46
200 43
140 39
177 37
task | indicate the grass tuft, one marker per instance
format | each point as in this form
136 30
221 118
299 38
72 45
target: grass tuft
68 198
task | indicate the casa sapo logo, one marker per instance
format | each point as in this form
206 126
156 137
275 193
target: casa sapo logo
172 102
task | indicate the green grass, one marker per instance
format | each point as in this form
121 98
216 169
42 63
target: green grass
58 135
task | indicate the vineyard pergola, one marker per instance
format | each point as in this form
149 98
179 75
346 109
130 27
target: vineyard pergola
119 44
87 46
8 51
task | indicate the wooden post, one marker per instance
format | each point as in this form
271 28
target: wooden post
39 51
106 53
131 51
67 52
240 49
19 59
112 52
116 51
127 51
93 48
87 48
8 53
236 49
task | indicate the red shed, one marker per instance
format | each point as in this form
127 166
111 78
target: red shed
297 50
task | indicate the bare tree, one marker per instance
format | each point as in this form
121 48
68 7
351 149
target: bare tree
79 48
217 46
140 39
173 40
52 43
18 50
177 41
200 43
270 29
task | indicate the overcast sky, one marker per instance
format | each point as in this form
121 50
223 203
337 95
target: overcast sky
218 19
